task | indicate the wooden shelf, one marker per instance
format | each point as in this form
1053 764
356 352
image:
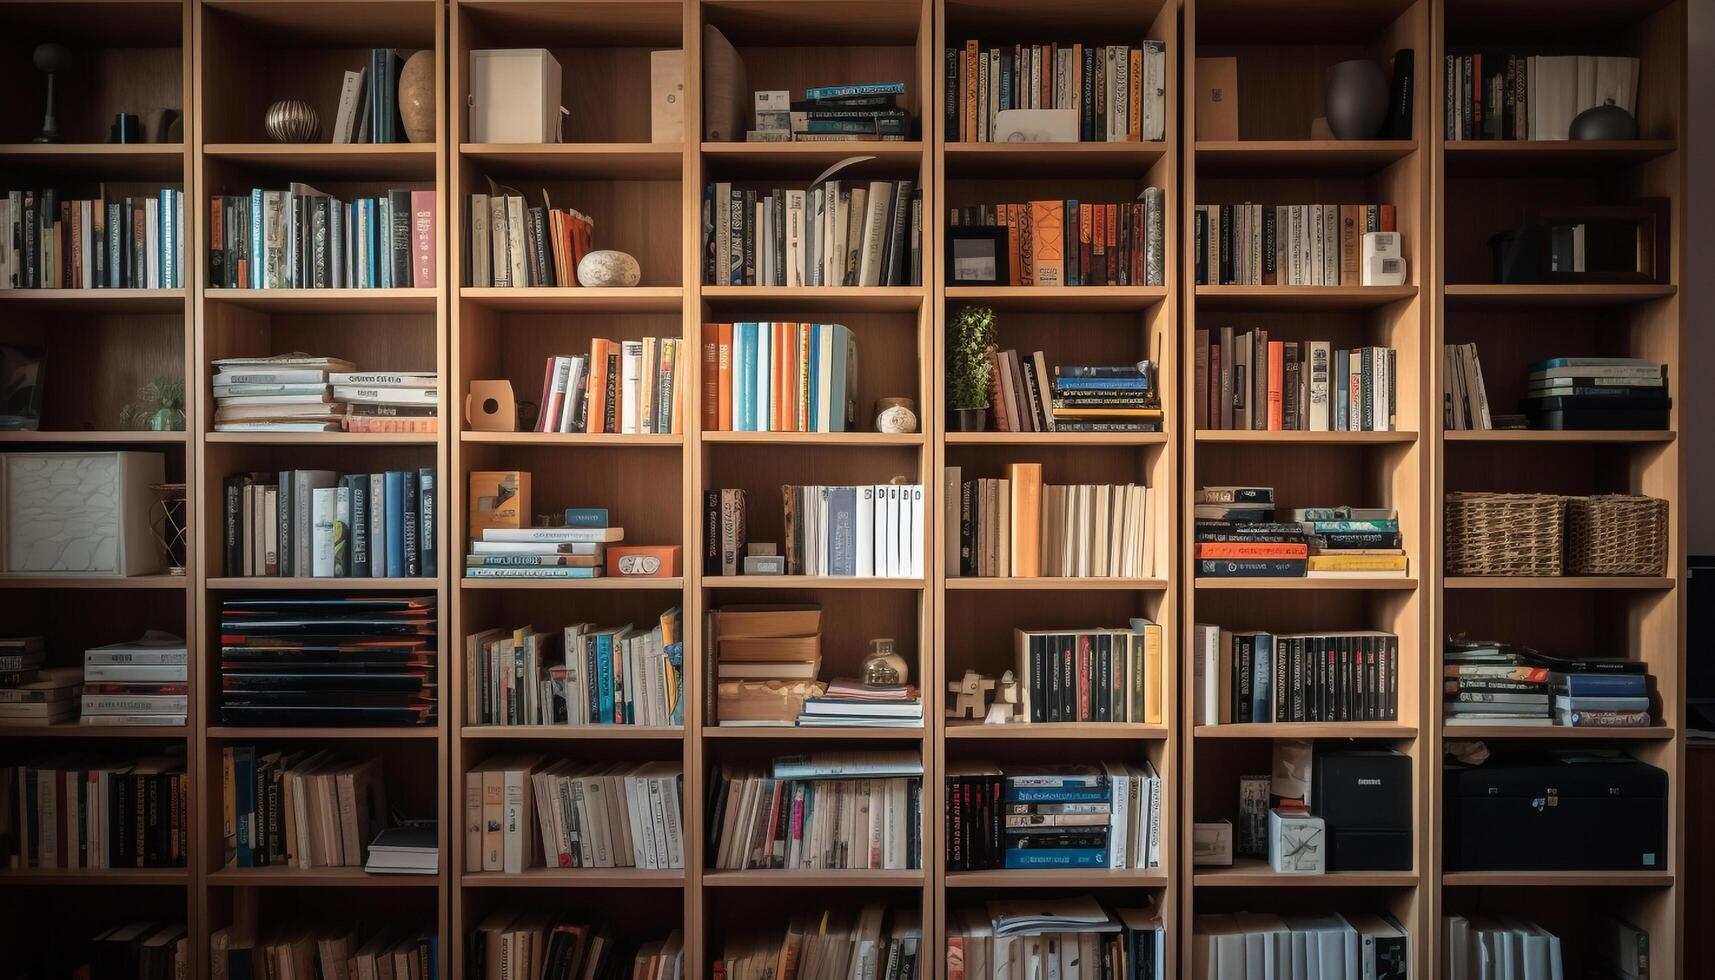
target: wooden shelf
1252 873
854 440
989 583
895 159
1562 437
672 584
399 300
280 876
73 729
575 299
1253 298
108 161
1308 158
268 733
1548 297
853 878
624 161
1535 158
110 437
574 878
645 440
1061 159
265 583
589 733
1060 299
1557 733
808 582
1056 439
1296 438
1572 582
810 732
175 582
1074 730
1309 584
325 438
95 300
849 299
343 161
1058 878
46 877
1307 729
1557 879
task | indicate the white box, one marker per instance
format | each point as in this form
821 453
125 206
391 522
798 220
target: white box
667 96
1036 126
514 96
1297 843
1383 270
774 100
1385 244
78 513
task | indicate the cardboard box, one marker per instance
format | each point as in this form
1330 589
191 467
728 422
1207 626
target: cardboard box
1217 98
514 96
498 499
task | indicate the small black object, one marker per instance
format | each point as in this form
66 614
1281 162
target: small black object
1398 126
969 419
1364 797
1518 254
1603 122
127 128
977 255
164 126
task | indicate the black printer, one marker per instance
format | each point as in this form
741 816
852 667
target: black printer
1573 810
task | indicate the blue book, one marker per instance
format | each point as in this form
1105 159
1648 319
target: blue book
395 510
1347 527
744 377
427 548
1005 83
1057 857
1600 685
676 656
375 240
604 675
827 92
244 799
256 253
586 517
816 381
1262 675
1066 383
1047 794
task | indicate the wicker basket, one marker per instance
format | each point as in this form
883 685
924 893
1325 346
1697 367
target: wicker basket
1615 534
1514 534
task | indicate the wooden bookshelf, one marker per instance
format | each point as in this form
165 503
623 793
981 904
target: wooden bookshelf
1480 188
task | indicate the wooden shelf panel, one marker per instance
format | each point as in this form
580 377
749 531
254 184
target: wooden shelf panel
1309 584
1305 438
286 877
95 300
163 162
1556 732
796 732
1252 873
575 878
1061 299
575 299
343 161
1048 584
1076 730
264 733
1563 437
855 878
1558 879
1056 439
73 729
325 438
582 733
1082 159
109 437
1307 729
895 159
854 440
400 300
642 441
265 583
1257 298
175 582
1572 582
623 161
1539 158
809 582
1058 878
1298 158
40 877
852 299
673 584
1477 296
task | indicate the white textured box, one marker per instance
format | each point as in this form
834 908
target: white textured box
667 96
1383 270
514 96
78 513
1297 843
1382 243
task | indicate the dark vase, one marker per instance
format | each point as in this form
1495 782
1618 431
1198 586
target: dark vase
970 419
1603 122
1357 100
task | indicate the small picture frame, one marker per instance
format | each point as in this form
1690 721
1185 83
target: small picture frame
976 255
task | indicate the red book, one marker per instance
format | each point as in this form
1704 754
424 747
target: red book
711 377
724 422
1242 549
1387 218
1083 685
423 239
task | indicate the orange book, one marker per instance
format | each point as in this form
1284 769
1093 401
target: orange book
711 377
1025 483
1387 218
1014 246
1085 212
1048 243
723 422
1112 237
1276 385
1134 98
968 131
1241 549
597 400
804 370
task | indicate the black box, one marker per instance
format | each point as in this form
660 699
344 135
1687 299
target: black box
1364 797
1559 811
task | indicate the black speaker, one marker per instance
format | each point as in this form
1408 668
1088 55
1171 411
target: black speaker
1364 798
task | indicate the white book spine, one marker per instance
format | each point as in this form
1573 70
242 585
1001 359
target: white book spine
322 520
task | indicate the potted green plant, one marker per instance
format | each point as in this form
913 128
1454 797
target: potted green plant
161 408
970 341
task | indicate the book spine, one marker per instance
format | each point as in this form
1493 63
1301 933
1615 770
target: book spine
412 543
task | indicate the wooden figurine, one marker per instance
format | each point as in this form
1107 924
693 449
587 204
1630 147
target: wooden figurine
1005 709
970 695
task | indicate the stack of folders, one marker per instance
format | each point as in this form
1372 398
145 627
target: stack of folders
1008 938
856 810
1335 947
1498 947
765 662
529 811
140 682
530 943
828 942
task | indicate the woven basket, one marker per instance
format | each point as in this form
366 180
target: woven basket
1514 534
1615 534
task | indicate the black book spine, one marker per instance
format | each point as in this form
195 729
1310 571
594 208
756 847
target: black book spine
899 248
1200 226
610 399
231 523
542 266
950 105
1226 244
711 532
967 528
1404 87
1055 701
413 539
1087 125
426 521
750 233
1038 689
399 247
284 536
1244 655
32 242
1104 678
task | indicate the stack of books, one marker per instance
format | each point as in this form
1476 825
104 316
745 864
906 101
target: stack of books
1239 944
1597 393
1246 381
545 947
765 663
864 111
301 238
1532 97
1506 948
529 811
1105 398
388 401
1238 537
576 550
1256 677
305 808
779 377
1285 245
627 386
409 849
618 675
849 703
142 682
1020 527
118 813
1076 816
1352 542
835 233
327 660
827 939
1091 675
515 245
31 694
283 393
848 810
319 524
1004 938
1077 243
1111 93
325 951
1493 684
1599 692
47 242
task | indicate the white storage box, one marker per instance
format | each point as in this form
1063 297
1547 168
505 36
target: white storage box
78 513
514 96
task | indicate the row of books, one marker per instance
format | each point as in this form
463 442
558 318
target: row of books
779 377
320 524
1018 526
1493 96
1257 677
334 659
627 386
864 111
1285 245
1112 93
1487 683
761 821
1238 536
535 944
619 675
514 244
130 949
1073 936
83 811
305 808
1332 946
836 233
1464 397
302 238
530 811
1075 243
1500 947
108 242
872 943
1247 381
309 393
368 104
237 952
1074 398
1064 816
1091 675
